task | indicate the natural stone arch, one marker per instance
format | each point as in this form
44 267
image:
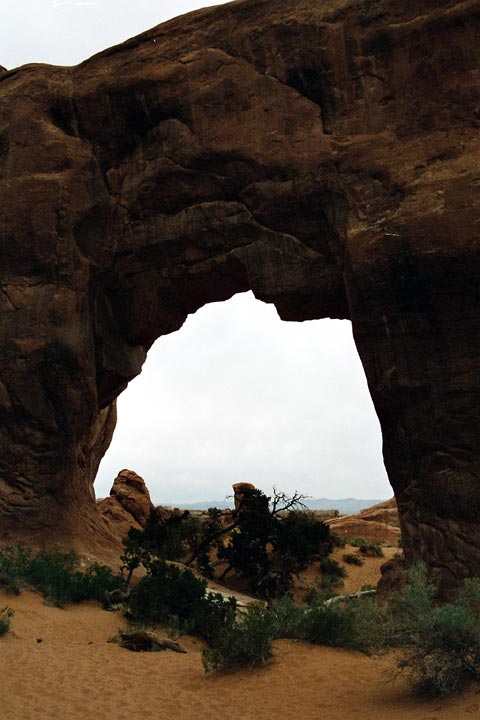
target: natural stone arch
325 157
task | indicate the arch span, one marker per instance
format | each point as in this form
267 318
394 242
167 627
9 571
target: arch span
322 155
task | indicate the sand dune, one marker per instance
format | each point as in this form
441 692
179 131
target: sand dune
75 674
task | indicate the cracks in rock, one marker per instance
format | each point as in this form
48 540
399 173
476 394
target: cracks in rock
115 194
240 205
439 528
360 76
5 292
283 83
189 264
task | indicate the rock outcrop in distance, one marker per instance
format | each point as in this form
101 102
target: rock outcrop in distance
128 505
378 524
324 156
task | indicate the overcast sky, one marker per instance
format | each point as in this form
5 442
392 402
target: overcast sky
236 394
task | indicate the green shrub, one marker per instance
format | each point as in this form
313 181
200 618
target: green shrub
323 623
246 643
332 574
338 541
366 548
96 582
355 542
166 591
331 567
162 538
169 595
439 644
408 608
442 641
214 616
14 561
446 653
300 536
372 620
351 559
6 615
371 550
289 618
54 575
332 625
207 542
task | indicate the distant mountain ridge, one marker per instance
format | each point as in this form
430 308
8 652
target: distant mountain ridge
347 506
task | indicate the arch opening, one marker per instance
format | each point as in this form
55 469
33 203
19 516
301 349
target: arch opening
238 395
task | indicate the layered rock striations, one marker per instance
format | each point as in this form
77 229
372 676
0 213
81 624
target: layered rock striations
377 524
325 156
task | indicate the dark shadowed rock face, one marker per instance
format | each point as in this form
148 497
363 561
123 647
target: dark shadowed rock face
324 155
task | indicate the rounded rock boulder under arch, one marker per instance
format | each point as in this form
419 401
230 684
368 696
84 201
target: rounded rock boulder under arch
324 156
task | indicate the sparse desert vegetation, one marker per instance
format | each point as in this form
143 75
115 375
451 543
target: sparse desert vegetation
437 645
266 543
6 614
56 575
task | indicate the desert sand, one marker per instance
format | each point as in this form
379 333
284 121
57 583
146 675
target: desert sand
57 664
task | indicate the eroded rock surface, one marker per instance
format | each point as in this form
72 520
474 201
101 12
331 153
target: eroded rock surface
128 505
130 491
325 156
379 523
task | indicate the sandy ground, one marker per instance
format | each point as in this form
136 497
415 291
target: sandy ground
358 577
56 664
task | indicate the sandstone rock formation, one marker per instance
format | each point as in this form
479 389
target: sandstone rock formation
128 504
379 523
238 492
116 518
325 156
130 491
384 512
